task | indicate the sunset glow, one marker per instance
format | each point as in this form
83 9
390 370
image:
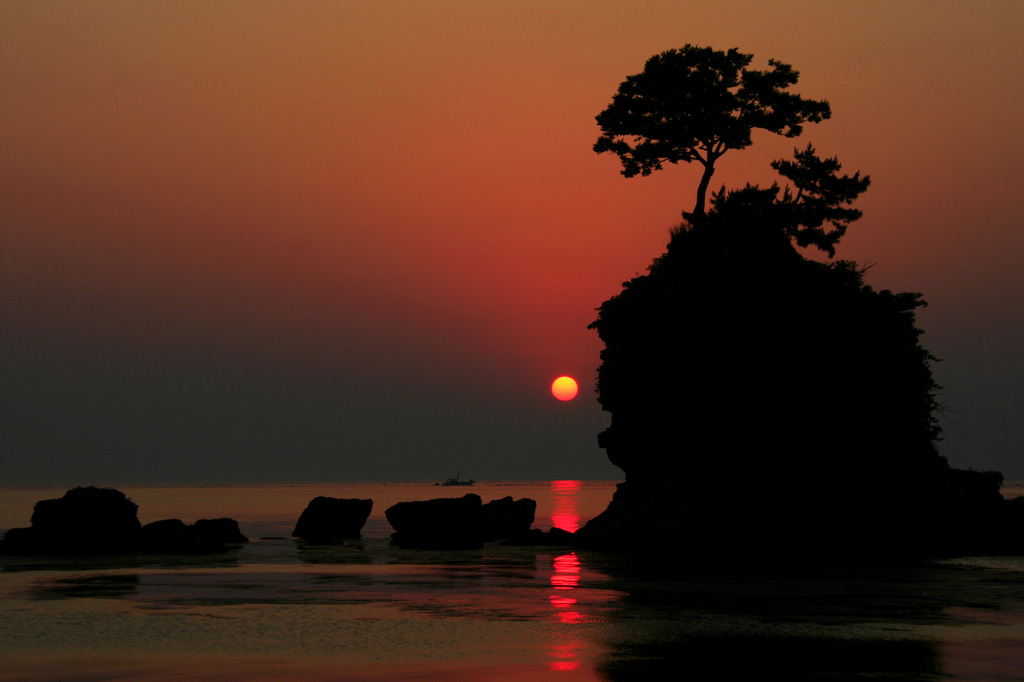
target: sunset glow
259 234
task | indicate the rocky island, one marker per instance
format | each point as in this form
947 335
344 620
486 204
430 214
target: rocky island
767 401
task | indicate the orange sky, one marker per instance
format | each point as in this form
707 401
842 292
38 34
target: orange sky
388 217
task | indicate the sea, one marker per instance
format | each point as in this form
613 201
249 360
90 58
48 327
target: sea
281 609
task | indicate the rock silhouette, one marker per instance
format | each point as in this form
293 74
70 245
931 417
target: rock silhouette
553 537
90 520
458 523
172 536
166 535
86 520
507 518
443 523
223 530
332 519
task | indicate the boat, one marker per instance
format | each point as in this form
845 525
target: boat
456 481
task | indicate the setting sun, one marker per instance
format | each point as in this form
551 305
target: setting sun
564 388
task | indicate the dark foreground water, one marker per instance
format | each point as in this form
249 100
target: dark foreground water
278 609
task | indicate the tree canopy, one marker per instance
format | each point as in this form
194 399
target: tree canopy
814 211
695 104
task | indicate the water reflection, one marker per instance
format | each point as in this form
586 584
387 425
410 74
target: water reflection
564 653
891 622
566 577
565 513
564 656
88 587
567 572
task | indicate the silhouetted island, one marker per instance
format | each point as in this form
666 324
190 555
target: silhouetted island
764 403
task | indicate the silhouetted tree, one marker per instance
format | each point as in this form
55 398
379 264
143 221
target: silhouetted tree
818 195
695 104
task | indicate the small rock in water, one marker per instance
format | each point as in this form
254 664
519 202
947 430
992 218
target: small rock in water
330 519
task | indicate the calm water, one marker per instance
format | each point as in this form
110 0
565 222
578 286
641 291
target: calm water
280 610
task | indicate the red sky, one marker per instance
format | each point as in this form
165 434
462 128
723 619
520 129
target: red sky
317 240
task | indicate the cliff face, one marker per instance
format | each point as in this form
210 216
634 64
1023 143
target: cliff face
761 398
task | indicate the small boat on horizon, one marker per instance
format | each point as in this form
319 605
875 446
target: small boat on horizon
456 481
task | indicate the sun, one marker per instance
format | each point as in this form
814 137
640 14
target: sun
564 388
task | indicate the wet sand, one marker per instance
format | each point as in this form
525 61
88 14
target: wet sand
508 614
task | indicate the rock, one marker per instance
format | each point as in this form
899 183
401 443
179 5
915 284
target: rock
642 516
222 531
172 536
444 523
507 518
555 537
86 520
458 523
103 521
330 519
966 515
19 541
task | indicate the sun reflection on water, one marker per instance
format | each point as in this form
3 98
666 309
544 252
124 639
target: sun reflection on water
565 513
564 653
567 572
565 656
